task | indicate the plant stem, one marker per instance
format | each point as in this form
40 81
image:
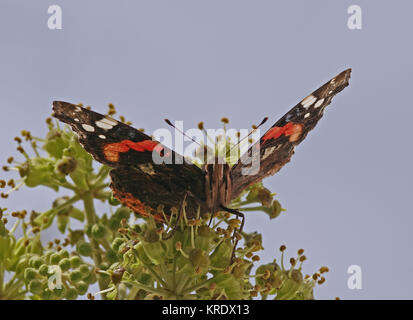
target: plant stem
197 286
91 219
160 292
53 211
2 287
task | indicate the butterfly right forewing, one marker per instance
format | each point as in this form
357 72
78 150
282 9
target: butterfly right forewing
276 146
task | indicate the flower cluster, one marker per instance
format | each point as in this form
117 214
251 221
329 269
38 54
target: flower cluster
127 255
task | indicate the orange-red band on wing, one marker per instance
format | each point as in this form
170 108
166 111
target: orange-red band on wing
112 150
136 205
292 130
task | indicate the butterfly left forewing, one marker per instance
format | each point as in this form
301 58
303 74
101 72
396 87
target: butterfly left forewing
276 147
138 181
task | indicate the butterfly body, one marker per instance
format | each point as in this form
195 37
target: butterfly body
143 184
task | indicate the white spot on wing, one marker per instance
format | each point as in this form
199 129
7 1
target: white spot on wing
76 119
307 115
319 103
268 152
111 122
104 125
307 102
88 128
102 136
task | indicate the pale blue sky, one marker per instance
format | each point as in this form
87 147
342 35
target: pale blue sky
347 189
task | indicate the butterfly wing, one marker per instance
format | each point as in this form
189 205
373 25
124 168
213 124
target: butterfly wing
275 148
137 181
109 141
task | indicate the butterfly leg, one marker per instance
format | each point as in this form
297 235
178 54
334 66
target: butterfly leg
178 219
239 215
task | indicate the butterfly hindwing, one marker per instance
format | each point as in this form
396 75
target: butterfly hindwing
275 148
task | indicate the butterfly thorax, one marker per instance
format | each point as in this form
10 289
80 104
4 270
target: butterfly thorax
217 185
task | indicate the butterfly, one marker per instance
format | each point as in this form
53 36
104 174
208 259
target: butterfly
142 184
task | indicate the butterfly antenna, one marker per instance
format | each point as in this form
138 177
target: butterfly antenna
252 131
179 130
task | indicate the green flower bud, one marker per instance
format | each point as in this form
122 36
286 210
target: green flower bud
272 275
71 294
64 254
265 197
55 143
30 274
82 287
59 293
22 265
66 165
116 243
84 248
36 262
44 270
239 271
38 171
98 231
90 278
111 256
55 258
199 258
75 262
64 264
296 275
35 286
123 213
76 275
48 254
84 269
113 201
275 210
114 223
252 239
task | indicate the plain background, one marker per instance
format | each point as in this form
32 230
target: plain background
348 188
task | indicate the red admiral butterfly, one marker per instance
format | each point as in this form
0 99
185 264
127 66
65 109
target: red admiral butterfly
142 185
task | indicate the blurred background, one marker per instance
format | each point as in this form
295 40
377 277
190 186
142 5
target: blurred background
346 190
